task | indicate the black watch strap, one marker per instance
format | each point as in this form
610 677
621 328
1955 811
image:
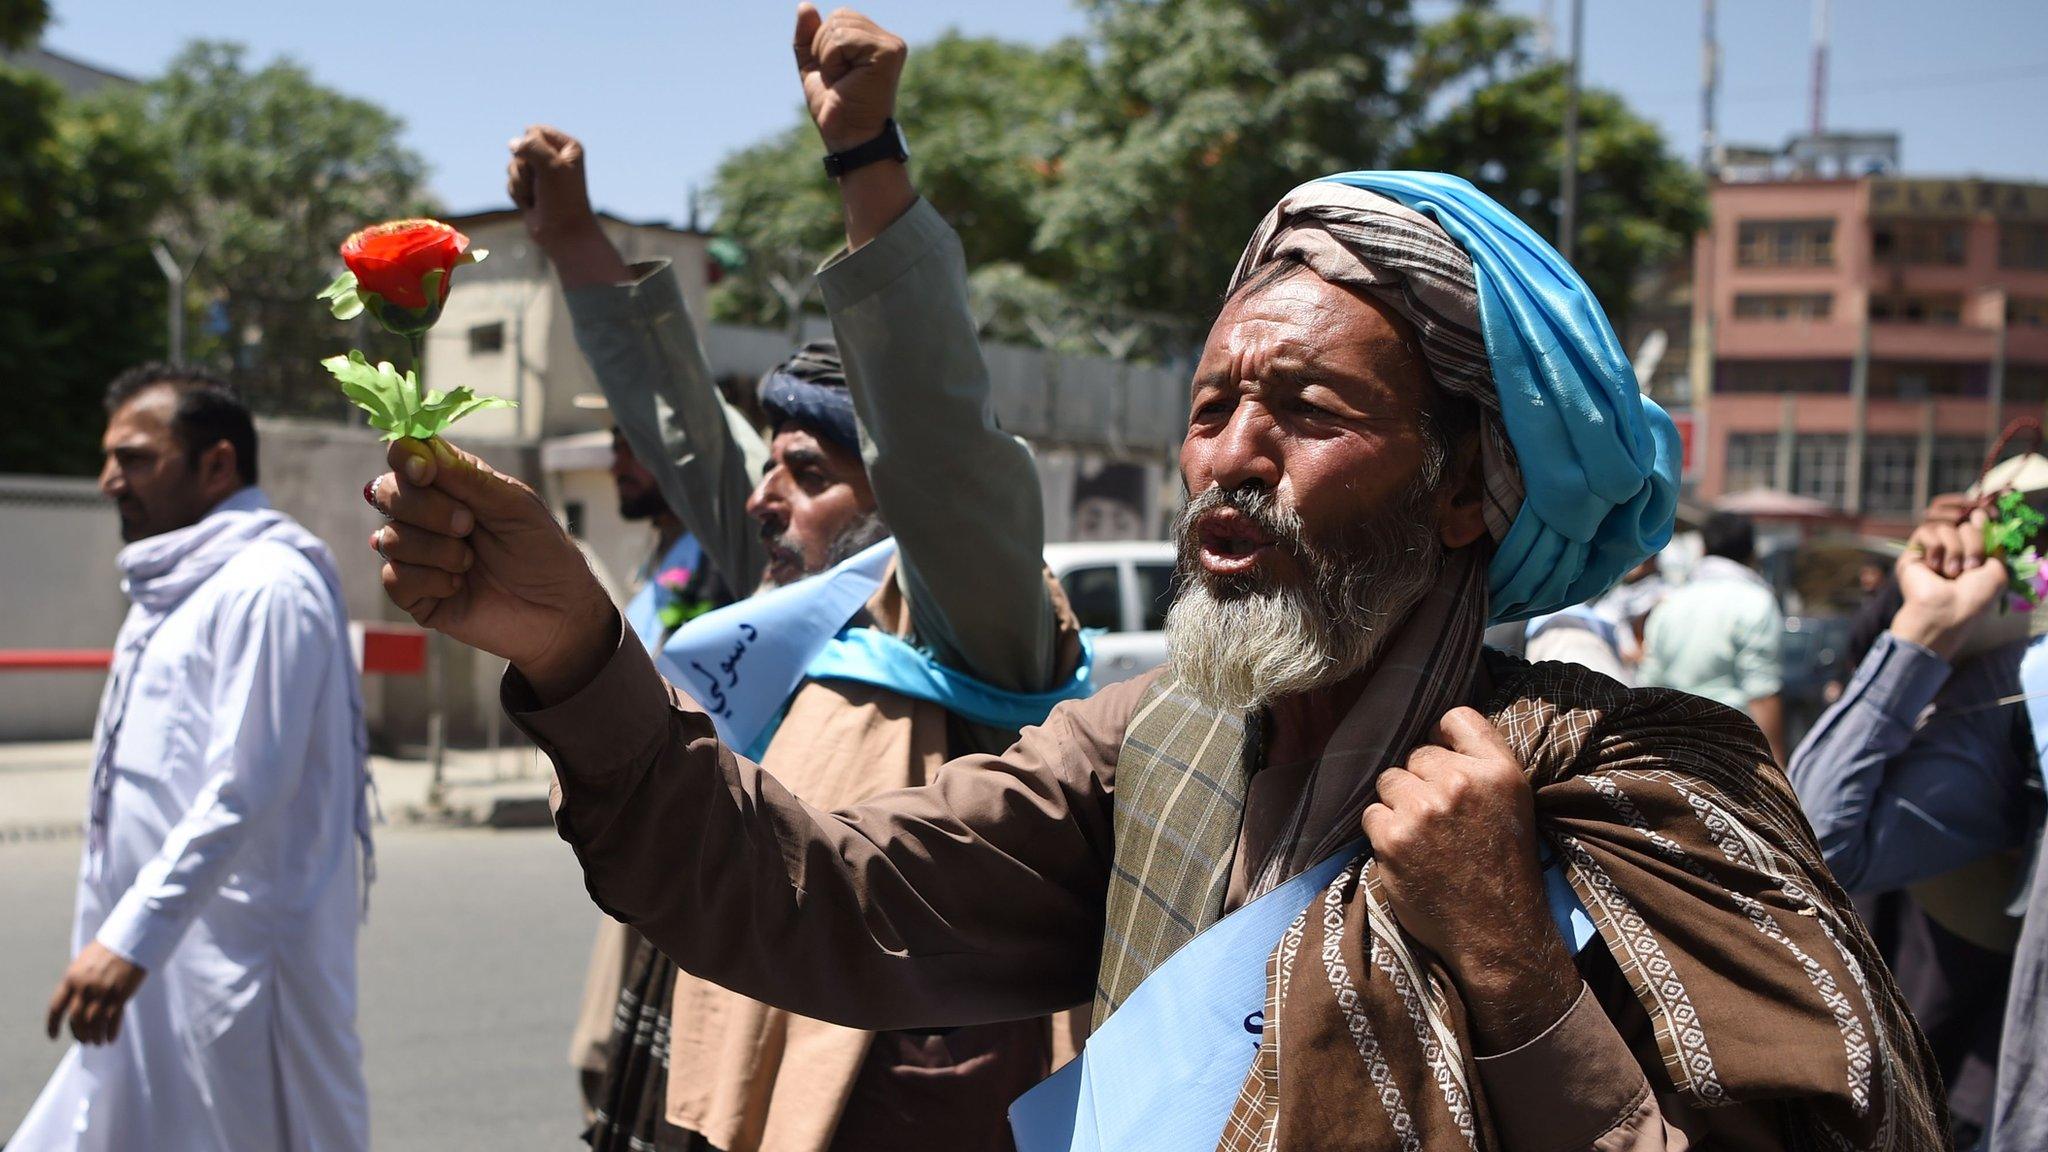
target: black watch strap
890 145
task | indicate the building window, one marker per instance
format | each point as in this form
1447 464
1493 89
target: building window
1155 595
1783 305
1785 243
1958 461
1889 463
2026 384
1916 308
1779 376
2026 311
1918 242
487 338
2023 246
1752 461
1096 596
1820 467
1909 380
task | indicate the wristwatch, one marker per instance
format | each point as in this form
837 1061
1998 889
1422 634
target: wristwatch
890 145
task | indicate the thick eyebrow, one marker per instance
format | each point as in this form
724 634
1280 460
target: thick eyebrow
1292 371
798 458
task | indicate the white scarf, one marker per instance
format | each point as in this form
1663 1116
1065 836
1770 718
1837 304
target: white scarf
157 574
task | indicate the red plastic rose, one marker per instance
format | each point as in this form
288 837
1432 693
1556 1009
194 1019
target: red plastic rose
392 259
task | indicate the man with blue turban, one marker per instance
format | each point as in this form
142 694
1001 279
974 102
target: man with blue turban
1335 877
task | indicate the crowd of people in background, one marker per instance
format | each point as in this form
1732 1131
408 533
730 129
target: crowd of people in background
869 896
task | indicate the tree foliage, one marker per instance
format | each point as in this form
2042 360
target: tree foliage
1113 181
990 119
272 171
1202 114
80 295
1638 205
21 21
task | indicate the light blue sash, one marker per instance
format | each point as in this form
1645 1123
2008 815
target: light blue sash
872 656
1163 1072
742 664
2034 684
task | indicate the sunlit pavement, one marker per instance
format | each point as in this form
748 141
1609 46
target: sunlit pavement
471 967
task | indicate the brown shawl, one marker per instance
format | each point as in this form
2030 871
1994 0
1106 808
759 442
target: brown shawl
1687 847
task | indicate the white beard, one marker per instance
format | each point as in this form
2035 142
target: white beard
1242 648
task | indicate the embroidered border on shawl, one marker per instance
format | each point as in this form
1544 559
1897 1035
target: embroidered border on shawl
1686 1055
1740 846
1338 973
1391 955
1856 1046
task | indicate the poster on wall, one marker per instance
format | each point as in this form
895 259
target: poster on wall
1096 498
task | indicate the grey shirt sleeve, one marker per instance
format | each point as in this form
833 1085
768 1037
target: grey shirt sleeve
960 495
640 343
1894 799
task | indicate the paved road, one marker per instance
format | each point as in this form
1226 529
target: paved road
471 965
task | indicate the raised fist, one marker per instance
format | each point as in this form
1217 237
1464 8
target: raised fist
546 181
850 67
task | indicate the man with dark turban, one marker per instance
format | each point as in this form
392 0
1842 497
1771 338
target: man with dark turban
1335 877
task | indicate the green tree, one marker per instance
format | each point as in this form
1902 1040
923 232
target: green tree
1203 113
21 21
1639 205
80 296
272 172
1104 188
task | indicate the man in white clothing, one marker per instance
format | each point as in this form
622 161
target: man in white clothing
213 985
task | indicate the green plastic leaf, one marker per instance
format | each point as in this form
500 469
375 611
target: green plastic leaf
342 297
439 410
2014 526
377 389
474 256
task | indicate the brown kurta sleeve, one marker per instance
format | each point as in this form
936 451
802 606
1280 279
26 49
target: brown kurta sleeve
1576 1088
974 898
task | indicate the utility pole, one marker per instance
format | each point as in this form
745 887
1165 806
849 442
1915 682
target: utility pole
1568 179
1700 368
176 277
1819 95
1710 79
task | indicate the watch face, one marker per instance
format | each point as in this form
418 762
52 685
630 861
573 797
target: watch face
902 144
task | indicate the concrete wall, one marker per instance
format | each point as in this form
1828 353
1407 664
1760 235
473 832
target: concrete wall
539 364
315 472
58 589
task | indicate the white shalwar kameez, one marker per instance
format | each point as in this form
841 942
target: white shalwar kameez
229 822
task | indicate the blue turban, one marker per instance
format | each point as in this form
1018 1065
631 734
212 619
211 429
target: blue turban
809 389
1582 469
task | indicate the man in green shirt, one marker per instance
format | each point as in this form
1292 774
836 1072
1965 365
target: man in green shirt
1721 635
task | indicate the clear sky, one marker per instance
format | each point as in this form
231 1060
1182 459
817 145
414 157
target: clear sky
661 89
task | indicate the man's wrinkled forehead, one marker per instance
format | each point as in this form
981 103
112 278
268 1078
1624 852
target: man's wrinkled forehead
1301 324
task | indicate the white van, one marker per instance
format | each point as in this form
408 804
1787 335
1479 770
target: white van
1121 588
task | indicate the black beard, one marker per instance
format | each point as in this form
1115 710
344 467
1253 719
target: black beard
645 505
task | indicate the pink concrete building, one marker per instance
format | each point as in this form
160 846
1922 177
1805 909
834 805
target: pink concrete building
1870 337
